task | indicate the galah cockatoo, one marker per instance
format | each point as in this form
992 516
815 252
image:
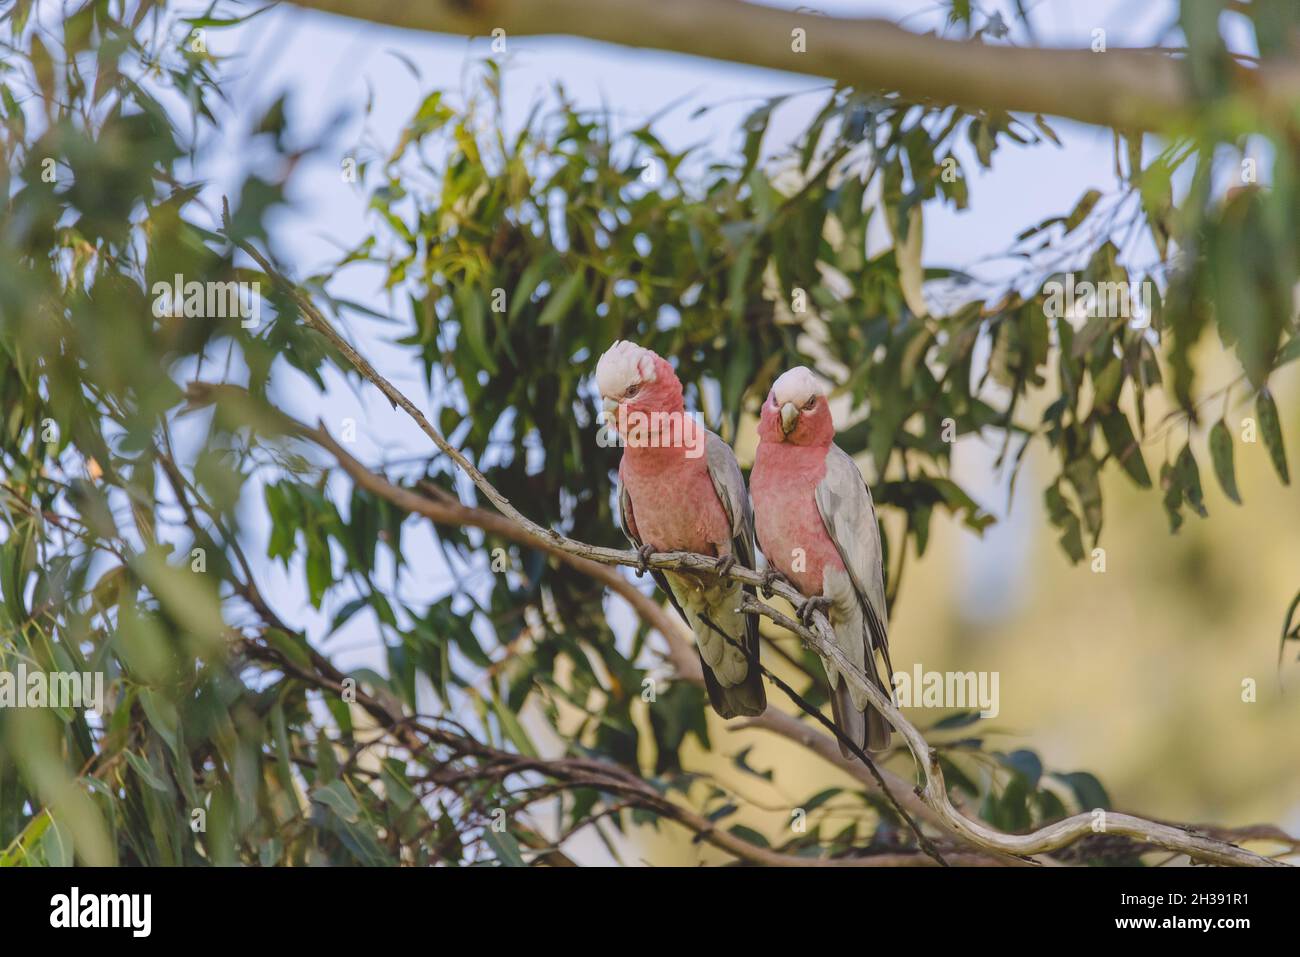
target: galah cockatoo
817 526
681 489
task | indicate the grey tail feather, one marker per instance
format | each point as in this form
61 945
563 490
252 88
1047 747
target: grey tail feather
851 722
868 728
877 731
747 698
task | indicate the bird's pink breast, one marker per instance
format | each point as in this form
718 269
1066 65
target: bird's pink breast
790 531
674 503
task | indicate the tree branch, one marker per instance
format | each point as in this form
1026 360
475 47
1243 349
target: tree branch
1129 89
448 511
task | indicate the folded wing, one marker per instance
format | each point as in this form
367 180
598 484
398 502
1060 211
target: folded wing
846 509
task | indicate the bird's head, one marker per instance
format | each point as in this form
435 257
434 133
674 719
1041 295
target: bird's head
796 410
636 379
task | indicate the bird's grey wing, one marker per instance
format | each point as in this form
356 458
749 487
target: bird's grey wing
729 483
625 516
628 520
846 509
749 696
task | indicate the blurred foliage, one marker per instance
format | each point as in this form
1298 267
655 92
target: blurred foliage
514 258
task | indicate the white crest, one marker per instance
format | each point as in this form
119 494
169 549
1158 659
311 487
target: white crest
797 385
624 365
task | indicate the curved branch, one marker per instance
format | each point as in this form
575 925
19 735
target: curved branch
1125 88
1047 838
448 511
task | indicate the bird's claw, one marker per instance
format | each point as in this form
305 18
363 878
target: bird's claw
725 564
810 607
771 577
644 553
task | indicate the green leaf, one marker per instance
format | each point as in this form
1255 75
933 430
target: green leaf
396 785
1012 810
1189 480
320 574
473 325
1107 384
56 845
513 729
1082 474
338 799
820 798
1025 763
504 848
1124 447
1045 129
1173 497
754 126
17 852
749 834
562 299
1270 428
147 774
1064 518
1288 353
960 719
1082 209
1221 456
741 761
1088 791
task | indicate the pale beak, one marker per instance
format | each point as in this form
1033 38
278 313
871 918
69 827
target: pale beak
789 417
609 406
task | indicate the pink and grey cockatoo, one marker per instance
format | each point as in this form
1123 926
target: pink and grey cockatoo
817 526
680 489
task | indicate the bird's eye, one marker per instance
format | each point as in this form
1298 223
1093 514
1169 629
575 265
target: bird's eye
632 391
810 403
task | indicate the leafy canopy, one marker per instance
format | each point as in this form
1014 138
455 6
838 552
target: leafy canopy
512 259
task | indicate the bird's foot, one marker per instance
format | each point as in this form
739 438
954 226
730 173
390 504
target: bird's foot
810 607
770 578
644 553
725 564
